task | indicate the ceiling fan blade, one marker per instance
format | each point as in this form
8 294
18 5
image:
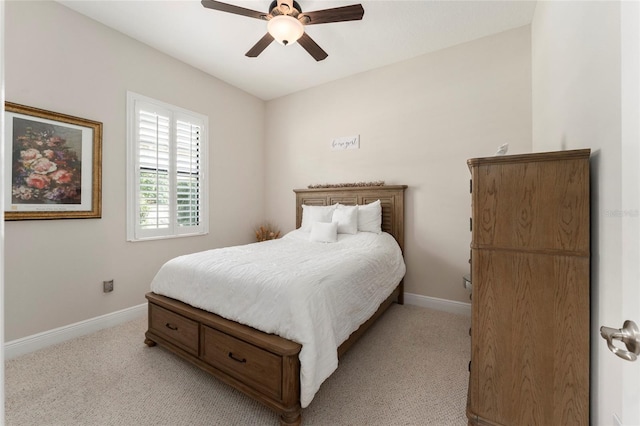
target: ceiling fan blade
237 10
312 47
260 46
337 14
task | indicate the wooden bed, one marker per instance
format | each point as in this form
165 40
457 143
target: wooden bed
264 366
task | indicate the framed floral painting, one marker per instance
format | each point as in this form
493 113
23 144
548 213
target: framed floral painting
53 165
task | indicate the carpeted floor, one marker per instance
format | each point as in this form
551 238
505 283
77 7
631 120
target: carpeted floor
410 368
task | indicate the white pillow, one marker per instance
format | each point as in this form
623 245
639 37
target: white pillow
311 214
370 217
324 232
347 219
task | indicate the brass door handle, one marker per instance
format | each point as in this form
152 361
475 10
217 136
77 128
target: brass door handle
629 334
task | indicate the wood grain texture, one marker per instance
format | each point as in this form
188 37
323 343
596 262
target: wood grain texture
181 330
530 275
257 367
352 12
539 206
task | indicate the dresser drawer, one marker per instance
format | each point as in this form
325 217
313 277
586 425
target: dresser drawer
245 362
178 329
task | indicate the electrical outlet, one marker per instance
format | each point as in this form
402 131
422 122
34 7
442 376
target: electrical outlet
107 286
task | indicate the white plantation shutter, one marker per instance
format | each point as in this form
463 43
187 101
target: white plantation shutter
188 173
166 183
154 183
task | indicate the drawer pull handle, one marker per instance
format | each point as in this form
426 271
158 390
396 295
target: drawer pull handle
171 326
233 357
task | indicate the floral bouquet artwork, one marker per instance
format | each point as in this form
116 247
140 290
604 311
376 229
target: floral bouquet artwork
46 163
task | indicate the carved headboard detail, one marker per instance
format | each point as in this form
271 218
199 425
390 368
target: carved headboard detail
391 199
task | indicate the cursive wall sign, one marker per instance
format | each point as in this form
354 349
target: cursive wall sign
346 142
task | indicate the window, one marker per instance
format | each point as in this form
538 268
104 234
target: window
166 170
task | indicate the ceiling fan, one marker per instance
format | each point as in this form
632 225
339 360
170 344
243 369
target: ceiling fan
286 21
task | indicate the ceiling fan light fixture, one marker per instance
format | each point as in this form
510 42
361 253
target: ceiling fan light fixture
285 29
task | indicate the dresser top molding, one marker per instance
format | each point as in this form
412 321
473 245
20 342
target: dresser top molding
528 158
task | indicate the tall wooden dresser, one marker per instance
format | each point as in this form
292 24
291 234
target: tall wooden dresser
530 274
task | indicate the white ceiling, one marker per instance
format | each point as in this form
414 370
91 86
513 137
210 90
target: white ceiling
390 31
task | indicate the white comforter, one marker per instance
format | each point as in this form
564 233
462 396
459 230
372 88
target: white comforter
313 293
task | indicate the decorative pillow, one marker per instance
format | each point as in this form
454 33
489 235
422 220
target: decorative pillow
370 217
347 219
324 232
311 214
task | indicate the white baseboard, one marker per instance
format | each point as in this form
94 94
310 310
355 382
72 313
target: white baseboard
451 306
34 342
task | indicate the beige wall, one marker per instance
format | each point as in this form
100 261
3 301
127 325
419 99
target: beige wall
418 121
61 61
576 104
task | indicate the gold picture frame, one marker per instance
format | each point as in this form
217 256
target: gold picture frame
52 164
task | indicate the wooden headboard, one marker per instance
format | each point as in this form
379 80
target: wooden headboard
391 198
